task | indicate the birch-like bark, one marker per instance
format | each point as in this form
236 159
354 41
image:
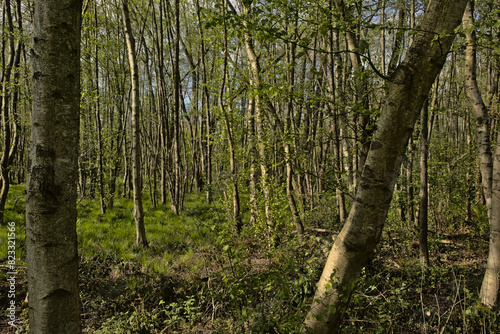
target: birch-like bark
478 106
51 240
490 288
407 90
258 117
136 129
489 165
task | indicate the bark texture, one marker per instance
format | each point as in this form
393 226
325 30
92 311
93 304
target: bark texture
488 165
255 83
136 129
51 241
478 106
407 90
490 288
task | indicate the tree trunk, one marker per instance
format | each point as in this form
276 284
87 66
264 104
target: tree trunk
9 118
100 152
232 158
258 108
488 165
136 129
408 88
252 156
51 240
299 227
424 194
334 69
490 288
478 108
177 185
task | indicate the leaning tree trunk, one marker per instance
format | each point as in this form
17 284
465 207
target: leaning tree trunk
51 240
407 90
136 129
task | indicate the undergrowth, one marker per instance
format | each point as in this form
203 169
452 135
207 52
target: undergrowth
198 276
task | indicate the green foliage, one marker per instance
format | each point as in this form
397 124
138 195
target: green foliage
136 322
394 294
15 212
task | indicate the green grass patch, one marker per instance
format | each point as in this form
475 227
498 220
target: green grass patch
15 215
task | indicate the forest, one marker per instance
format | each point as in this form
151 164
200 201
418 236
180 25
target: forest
250 166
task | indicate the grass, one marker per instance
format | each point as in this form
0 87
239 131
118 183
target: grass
14 212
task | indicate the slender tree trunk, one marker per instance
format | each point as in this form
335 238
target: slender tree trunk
207 140
232 162
299 227
407 91
334 83
252 156
177 182
424 194
409 186
259 118
382 38
490 288
488 165
136 129
9 117
100 153
362 133
478 108
51 240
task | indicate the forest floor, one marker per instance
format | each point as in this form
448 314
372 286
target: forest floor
197 276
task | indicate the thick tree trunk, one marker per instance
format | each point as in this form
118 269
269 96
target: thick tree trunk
136 129
51 240
408 88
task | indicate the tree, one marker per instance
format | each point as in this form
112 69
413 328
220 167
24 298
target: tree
489 165
424 195
407 90
478 106
258 106
136 128
51 240
10 119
